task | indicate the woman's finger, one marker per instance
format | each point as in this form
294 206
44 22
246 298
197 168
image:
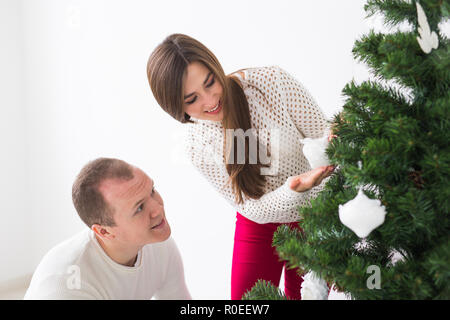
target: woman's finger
326 172
308 179
319 178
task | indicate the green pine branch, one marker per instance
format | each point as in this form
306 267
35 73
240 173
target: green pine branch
264 290
394 11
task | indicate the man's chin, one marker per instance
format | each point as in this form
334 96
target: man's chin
168 233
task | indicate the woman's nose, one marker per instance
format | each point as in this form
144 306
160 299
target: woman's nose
209 102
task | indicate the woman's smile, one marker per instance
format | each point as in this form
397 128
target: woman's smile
216 109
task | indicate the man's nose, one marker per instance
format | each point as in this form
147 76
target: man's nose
156 209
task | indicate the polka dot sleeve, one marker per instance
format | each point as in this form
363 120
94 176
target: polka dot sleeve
306 115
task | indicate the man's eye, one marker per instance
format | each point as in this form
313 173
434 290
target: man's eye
153 190
140 208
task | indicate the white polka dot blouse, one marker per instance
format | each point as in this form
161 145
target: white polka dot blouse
282 113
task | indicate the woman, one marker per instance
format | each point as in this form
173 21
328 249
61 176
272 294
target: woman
274 111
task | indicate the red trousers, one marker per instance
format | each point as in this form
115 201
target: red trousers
254 258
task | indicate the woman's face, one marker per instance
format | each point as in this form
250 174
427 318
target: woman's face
202 93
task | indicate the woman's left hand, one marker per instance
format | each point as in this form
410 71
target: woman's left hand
310 179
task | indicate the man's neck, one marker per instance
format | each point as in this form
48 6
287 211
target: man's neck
124 256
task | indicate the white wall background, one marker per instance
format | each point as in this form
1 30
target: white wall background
73 88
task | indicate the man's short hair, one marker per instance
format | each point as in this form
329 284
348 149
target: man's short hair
86 196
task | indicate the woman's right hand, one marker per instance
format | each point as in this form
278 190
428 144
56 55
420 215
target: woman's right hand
310 179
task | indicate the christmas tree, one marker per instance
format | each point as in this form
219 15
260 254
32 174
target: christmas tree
392 157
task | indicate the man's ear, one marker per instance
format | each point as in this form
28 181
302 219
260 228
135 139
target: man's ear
102 232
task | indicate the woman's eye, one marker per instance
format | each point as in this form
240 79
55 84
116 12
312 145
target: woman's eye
211 83
207 86
192 101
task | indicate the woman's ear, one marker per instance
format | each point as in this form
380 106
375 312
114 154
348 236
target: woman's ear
102 232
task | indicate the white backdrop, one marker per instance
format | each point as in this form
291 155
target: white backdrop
73 88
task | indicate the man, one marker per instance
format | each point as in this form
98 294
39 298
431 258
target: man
127 252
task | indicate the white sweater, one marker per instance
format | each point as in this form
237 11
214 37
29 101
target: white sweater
79 268
279 105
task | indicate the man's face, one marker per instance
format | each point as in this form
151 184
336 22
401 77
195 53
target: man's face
138 210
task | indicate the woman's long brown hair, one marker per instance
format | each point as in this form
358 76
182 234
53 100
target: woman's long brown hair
166 68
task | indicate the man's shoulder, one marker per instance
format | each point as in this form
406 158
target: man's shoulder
61 287
59 265
69 251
